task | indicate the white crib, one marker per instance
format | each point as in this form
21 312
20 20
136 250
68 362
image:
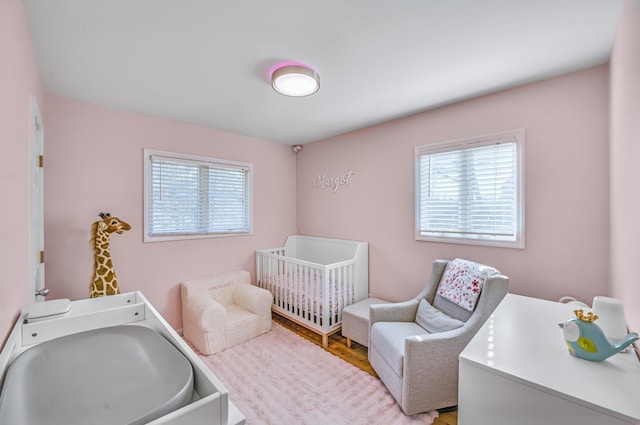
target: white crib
313 278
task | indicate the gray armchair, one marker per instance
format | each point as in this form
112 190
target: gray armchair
414 345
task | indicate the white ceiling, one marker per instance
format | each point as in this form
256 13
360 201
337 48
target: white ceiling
207 62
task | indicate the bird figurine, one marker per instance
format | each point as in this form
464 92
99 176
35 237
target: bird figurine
587 341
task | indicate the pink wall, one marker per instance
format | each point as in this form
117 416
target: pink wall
624 160
566 125
19 80
94 164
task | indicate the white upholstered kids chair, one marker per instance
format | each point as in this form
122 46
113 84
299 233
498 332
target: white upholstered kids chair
414 345
223 310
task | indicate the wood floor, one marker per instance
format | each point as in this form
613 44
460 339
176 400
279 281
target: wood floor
356 355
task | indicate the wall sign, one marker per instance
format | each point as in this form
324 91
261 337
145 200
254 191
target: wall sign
333 184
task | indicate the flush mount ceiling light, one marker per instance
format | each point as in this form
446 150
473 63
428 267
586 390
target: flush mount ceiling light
295 80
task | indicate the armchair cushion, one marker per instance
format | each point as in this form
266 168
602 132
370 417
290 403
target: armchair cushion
390 338
451 309
435 321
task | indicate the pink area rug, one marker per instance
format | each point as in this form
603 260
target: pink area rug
280 378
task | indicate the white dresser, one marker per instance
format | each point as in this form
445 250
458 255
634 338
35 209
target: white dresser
517 370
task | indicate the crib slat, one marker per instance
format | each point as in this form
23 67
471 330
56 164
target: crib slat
307 290
297 296
340 294
330 295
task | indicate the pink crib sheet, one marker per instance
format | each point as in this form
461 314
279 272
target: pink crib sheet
308 291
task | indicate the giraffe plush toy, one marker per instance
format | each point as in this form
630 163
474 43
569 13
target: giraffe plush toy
104 276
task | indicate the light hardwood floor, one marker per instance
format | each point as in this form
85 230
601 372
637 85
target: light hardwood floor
356 355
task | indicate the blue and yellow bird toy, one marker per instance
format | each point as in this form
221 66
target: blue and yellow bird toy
586 340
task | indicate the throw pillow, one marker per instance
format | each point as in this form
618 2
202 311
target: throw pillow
433 320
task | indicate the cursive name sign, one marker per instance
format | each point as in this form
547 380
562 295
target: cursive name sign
333 184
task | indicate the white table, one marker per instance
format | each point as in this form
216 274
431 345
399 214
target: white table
517 370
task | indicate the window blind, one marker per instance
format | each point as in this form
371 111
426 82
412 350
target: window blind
189 197
469 192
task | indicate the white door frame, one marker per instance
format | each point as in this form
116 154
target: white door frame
36 203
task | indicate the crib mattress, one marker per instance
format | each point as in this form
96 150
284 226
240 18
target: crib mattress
114 375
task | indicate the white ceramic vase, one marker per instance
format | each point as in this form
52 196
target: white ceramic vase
611 318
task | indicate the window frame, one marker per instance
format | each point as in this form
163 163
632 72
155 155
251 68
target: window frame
148 180
517 136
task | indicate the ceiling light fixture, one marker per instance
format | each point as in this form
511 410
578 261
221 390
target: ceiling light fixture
295 80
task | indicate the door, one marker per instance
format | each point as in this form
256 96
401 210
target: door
37 291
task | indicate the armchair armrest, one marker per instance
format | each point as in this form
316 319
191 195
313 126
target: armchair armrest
203 311
437 345
442 344
393 312
435 356
256 300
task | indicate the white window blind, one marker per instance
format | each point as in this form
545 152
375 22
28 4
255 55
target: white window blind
470 191
196 196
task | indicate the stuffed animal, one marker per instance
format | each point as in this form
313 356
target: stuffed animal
104 276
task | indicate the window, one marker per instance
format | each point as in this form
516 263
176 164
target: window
471 191
190 196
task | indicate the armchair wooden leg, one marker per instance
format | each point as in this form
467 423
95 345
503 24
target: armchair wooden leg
349 342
